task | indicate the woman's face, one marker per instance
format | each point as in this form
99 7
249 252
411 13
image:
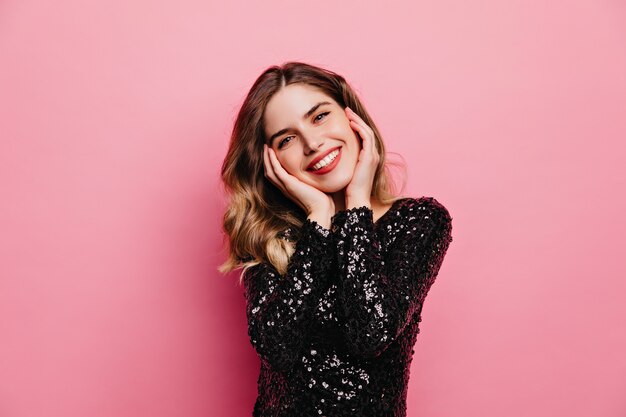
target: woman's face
303 124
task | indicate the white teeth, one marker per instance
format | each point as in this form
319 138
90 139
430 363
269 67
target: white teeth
321 164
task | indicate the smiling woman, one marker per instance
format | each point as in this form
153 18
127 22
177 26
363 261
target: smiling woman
318 139
336 266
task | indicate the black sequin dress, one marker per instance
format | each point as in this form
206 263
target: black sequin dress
336 333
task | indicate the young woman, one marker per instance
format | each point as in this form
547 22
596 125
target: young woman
336 268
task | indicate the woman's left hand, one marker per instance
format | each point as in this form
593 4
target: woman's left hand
359 190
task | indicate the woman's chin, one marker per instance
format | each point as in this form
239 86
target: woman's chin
331 182
333 186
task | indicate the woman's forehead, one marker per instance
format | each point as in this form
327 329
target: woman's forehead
296 98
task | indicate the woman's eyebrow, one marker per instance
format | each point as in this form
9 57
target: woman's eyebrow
307 114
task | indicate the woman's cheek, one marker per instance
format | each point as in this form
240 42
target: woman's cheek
338 130
283 162
291 167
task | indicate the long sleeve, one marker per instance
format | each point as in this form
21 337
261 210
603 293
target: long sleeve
377 297
279 308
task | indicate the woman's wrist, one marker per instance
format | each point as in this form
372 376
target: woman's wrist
322 218
357 202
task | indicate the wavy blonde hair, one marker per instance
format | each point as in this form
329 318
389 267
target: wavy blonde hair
257 211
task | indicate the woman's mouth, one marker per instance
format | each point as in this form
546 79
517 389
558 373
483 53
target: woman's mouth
327 164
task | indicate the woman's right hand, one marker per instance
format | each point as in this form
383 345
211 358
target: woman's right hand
306 196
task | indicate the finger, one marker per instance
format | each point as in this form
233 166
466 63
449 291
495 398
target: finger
270 168
364 134
369 143
278 169
286 180
355 118
267 164
265 160
352 115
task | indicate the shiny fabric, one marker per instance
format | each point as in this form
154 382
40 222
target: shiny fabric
335 334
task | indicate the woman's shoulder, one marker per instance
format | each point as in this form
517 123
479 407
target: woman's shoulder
425 207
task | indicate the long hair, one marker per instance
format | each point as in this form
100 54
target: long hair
257 212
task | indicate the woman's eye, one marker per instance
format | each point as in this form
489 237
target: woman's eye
280 145
317 118
321 114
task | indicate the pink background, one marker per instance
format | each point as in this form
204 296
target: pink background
114 120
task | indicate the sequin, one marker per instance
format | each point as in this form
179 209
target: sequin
335 334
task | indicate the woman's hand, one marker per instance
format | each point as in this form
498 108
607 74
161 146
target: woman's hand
306 196
359 190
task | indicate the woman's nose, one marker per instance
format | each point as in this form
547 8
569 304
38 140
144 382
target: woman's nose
312 143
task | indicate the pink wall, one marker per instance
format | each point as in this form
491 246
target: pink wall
114 120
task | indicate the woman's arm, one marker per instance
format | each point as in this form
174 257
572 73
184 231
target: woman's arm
279 308
376 297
